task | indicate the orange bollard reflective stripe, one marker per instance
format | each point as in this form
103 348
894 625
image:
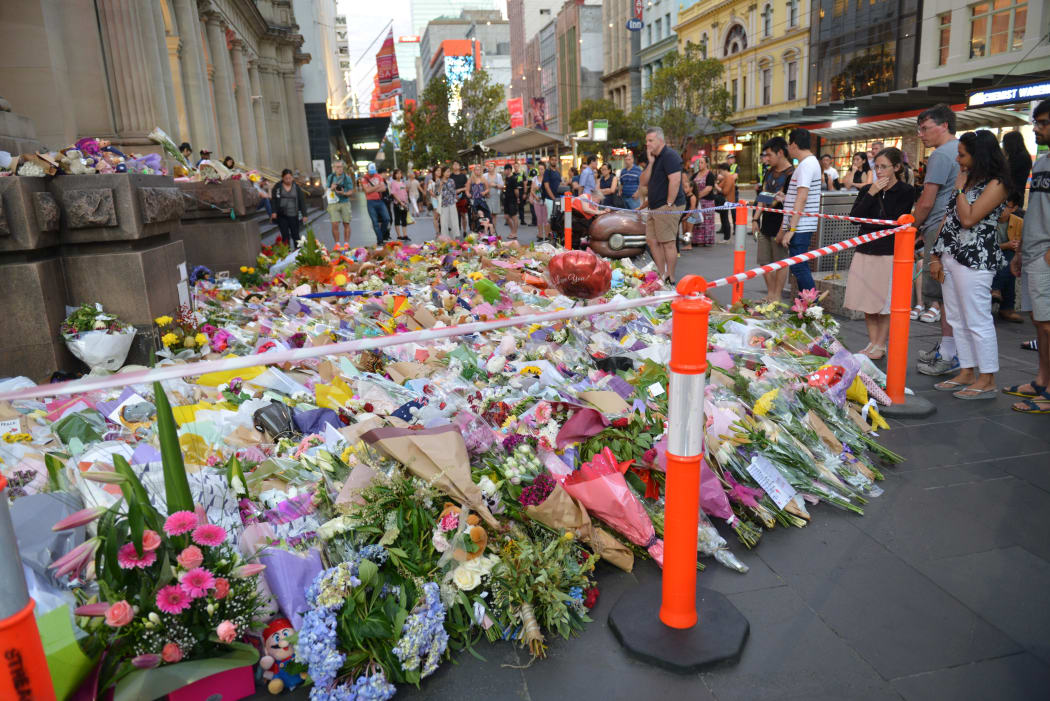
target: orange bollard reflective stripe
740 254
900 309
567 210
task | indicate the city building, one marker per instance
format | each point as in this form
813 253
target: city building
543 97
425 11
622 76
406 49
657 37
578 32
764 48
486 30
226 76
526 17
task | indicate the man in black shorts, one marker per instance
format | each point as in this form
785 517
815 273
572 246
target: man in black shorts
511 196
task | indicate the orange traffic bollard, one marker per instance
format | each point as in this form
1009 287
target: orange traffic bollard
739 252
23 666
685 447
903 406
566 208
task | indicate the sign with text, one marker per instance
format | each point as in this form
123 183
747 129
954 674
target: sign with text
635 24
516 108
1003 96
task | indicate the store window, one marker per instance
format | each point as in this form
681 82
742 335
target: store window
997 26
767 20
945 23
792 80
767 85
793 13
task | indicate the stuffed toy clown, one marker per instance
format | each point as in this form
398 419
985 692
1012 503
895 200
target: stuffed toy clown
277 654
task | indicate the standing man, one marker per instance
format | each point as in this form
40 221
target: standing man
374 187
726 185
775 183
523 194
495 182
731 160
876 147
663 178
511 195
629 175
588 182
803 196
459 178
551 187
341 186
1033 265
937 131
830 179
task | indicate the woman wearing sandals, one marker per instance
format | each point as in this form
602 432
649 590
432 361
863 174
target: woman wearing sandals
868 287
965 258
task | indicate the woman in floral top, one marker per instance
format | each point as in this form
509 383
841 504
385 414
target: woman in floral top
965 259
449 215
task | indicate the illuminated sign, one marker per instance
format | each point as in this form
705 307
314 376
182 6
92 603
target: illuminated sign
457 70
366 146
1003 96
408 40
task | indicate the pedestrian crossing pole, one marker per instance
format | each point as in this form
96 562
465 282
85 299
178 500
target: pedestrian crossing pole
739 252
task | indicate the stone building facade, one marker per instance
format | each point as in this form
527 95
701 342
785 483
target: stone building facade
622 76
221 74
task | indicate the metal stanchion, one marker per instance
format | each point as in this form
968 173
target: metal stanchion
566 208
739 254
665 632
23 666
903 406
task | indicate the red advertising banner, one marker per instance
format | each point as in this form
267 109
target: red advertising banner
639 8
516 107
386 69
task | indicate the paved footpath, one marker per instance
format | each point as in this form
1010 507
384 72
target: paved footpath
938 592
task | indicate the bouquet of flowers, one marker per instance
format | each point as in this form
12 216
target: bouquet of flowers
99 339
186 331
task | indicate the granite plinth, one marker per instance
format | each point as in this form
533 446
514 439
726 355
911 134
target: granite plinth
220 244
29 214
216 200
116 207
30 342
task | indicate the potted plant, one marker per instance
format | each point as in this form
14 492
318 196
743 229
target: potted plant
313 262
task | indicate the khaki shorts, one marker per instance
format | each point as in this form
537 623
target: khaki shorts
663 227
1035 289
339 212
769 251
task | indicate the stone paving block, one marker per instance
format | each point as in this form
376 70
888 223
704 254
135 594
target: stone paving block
954 442
1016 677
1031 468
898 620
497 677
1010 592
791 652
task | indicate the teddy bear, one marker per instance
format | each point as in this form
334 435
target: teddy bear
478 536
278 653
73 163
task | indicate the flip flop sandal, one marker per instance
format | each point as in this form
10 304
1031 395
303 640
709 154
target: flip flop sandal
916 311
1016 390
1032 345
950 386
1031 406
930 316
971 394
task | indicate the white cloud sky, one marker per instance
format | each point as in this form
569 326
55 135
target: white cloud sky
365 19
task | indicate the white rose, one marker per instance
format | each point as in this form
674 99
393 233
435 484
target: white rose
487 486
440 542
495 363
332 528
466 578
815 312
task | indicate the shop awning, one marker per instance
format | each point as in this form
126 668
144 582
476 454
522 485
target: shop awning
520 139
348 132
966 120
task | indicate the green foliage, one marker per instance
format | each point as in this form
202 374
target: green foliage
624 128
687 96
484 111
176 485
310 254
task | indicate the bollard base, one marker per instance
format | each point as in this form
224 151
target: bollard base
913 407
717 639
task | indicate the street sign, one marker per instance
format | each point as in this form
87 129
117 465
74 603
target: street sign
1005 96
639 8
635 25
598 129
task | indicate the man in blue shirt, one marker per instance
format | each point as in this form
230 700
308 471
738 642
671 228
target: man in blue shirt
551 185
588 183
629 175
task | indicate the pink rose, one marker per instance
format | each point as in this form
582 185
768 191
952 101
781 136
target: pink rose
190 557
226 631
171 653
150 540
119 614
222 588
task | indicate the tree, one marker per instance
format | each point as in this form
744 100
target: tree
483 112
427 135
624 128
687 96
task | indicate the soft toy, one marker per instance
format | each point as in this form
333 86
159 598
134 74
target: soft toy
278 653
478 536
73 163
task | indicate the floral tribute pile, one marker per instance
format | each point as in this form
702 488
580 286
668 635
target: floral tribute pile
397 507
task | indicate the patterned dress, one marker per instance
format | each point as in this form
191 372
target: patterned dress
975 247
704 232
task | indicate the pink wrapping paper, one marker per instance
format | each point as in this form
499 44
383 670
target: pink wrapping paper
599 485
713 499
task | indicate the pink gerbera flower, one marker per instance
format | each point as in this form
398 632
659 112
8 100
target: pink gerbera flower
197 582
209 534
172 599
128 559
180 522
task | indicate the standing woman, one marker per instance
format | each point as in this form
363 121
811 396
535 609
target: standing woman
434 193
868 286
413 193
289 207
966 256
859 173
449 212
704 185
399 197
689 221
608 185
1018 161
536 198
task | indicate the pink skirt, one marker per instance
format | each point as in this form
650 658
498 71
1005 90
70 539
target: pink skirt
868 285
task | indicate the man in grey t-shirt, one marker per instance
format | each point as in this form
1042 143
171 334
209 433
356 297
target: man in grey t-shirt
936 130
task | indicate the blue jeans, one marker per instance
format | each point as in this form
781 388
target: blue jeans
1005 282
800 244
380 216
632 202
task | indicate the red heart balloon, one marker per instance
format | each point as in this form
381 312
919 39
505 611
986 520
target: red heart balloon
580 274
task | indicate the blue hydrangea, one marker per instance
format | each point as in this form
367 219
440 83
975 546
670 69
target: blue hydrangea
375 553
373 688
423 637
318 646
576 593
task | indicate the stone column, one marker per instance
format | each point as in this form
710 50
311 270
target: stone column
174 49
294 107
299 111
164 86
258 107
225 107
278 135
194 75
245 113
128 67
